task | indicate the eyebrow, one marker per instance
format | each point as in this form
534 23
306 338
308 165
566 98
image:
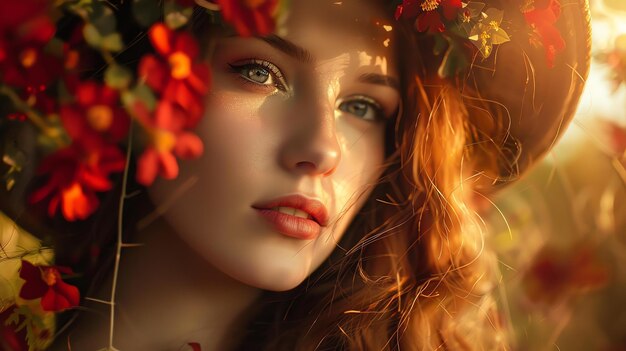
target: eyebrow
304 55
380 79
289 48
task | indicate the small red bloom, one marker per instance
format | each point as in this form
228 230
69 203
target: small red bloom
250 17
176 73
166 139
76 173
409 9
95 113
27 19
25 27
430 21
542 18
429 13
45 282
26 65
556 274
195 346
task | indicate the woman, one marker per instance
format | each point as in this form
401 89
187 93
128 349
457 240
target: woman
334 202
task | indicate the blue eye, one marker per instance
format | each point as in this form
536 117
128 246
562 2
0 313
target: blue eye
363 107
258 75
260 72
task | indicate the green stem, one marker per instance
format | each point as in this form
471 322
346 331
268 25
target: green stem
119 243
33 116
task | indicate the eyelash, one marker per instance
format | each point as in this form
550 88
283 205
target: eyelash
379 114
278 82
275 73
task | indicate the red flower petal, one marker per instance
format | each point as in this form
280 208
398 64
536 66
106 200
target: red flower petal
247 20
161 38
411 8
188 145
88 93
431 21
451 8
168 165
147 167
60 297
155 72
94 180
195 346
186 44
34 286
76 203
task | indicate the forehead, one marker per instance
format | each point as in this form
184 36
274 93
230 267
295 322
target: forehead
329 29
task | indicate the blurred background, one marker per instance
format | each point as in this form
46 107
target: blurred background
560 233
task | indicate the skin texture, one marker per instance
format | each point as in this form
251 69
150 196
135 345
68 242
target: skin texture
205 261
274 136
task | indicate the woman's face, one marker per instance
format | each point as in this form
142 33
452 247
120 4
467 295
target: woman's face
294 121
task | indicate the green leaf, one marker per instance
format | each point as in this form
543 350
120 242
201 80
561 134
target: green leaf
140 92
55 47
178 18
441 45
146 12
118 77
92 36
454 62
105 23
112 42
14 318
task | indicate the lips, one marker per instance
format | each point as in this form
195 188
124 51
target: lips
295 216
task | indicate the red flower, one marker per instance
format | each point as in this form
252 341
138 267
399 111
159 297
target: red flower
45 282
166 139
429 13
250 17
176 73
430 21
542 18
557 274
195 346
76 173
27 19
25 28
95 113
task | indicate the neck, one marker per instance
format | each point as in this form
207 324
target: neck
167 296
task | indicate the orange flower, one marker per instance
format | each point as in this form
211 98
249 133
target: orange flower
45 282
96 113
76 173
250 17
177 72
25 27
167 138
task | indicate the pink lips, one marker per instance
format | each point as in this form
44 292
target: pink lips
293 226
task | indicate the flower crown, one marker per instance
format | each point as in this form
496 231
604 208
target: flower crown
46 46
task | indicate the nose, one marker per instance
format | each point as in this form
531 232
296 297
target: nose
312 147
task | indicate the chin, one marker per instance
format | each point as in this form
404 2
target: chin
271 277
